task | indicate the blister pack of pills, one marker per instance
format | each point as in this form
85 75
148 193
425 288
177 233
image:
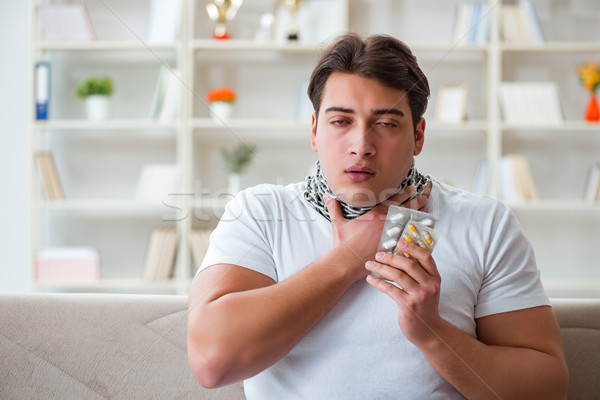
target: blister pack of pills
409 225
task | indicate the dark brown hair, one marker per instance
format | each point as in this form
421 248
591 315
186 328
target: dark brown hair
379 57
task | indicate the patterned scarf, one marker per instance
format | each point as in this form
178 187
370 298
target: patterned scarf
316 187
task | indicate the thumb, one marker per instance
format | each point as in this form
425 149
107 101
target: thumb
333 207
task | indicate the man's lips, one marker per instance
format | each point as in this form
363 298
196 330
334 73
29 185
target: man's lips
358 173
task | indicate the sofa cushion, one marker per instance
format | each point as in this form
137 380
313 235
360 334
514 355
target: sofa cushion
579 321
97 346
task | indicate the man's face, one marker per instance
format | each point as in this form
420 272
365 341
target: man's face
365 138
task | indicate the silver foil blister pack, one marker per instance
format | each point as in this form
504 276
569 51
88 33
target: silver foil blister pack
410 225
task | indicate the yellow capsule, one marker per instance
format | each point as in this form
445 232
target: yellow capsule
408 239
422 245
412 228
427 238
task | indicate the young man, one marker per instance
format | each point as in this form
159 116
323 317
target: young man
286 300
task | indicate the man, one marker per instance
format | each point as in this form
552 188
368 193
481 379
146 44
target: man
286 299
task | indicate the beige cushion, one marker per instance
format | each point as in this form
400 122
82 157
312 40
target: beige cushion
579 321
57 346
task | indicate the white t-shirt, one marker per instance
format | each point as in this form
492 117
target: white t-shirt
357 351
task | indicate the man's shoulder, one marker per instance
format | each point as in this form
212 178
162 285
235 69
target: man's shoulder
268 192
463 202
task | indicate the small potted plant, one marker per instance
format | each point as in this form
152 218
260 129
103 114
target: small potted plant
237 161
96 92
221 102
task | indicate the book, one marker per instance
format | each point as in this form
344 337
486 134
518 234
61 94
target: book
516 180
532 103
166 99
520 24
66 22
164 21
42 89
160 256
533 23
48 175
471 23
481 179
591 191
199 242
157 182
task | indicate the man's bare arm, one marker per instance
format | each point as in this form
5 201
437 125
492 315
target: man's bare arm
518 355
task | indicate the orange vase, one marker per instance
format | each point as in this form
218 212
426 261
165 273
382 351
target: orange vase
592 111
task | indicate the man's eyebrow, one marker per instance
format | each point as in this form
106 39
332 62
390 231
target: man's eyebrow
340 109
381 111
384 111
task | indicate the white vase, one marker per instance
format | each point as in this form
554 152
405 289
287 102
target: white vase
98 107
233 183
221 110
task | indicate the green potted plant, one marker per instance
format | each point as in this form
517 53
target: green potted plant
237 161
97 92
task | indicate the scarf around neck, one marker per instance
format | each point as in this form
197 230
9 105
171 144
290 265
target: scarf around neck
316 187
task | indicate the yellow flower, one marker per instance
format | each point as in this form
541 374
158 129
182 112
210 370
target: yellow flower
590 75
221 94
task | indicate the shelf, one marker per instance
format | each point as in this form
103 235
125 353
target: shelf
552 47
99 205
114 284
117 124
556 206
105 45
262 124
253 46
302 47
566 126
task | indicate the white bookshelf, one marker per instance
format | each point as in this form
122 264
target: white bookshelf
267 76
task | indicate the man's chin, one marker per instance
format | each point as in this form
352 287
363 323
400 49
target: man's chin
365 197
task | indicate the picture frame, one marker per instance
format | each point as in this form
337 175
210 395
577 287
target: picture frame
451 104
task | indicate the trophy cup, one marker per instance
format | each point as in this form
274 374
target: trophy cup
221 11
292 6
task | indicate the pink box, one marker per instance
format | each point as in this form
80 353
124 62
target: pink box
67 265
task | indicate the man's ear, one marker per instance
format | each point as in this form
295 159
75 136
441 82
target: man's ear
313 132
419 137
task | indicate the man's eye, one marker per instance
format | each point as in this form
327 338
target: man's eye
339 122
387 124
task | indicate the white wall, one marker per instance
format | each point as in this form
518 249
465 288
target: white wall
15 227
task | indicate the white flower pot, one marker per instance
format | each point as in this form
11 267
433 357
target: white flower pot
221 110
98 107
233 183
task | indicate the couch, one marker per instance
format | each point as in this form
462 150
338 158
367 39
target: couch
114 346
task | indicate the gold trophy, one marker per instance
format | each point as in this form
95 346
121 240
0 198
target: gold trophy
292 6
221 11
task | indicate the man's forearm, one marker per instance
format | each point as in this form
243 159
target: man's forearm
239 334
481 371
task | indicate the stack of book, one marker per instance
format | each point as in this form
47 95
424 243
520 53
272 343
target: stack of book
472 22
516 181
520 24
531 103
160 254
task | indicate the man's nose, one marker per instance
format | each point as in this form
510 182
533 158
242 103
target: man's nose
362 143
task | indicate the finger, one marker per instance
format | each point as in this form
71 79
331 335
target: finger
396 293
333 207
423 259
392 274
416 203
409 266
